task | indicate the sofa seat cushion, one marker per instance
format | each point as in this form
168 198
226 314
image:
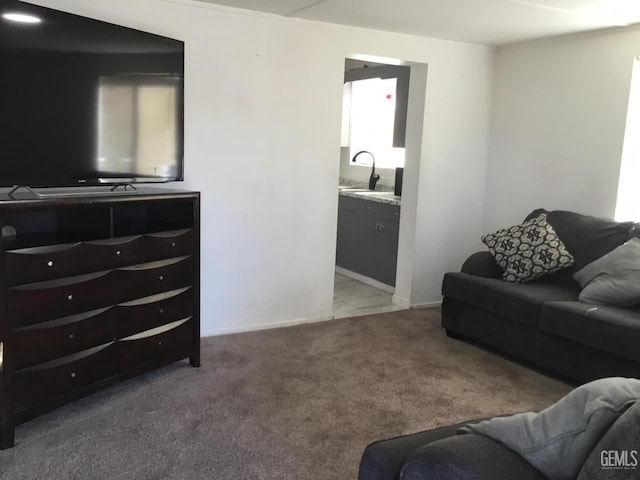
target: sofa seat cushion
612 329
517 302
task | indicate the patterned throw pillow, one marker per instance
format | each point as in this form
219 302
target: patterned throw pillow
528 251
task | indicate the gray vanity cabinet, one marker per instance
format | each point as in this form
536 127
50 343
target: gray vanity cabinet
367 241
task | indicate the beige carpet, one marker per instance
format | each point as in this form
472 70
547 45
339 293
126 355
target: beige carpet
295 403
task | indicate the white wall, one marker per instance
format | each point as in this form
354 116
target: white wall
263 109
453 168
558 124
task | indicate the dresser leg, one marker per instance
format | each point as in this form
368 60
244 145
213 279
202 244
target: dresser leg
6 438
7 418
195 360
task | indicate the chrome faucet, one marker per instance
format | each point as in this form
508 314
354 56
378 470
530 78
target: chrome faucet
374 177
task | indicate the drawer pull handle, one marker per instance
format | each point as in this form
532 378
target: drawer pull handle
73 374
161 311
50 263
69 297
118 253
159 344
173 244
160 277
71 336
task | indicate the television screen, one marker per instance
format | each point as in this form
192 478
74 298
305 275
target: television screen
85 102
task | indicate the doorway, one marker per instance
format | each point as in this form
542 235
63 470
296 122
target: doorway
374 122
352 298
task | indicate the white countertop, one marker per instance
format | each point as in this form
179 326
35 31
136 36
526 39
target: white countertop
373 195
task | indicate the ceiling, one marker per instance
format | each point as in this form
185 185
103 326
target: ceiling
488 22
65 32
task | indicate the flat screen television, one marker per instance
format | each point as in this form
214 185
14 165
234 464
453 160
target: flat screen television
86 102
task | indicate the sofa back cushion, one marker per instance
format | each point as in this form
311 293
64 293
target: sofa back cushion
587 238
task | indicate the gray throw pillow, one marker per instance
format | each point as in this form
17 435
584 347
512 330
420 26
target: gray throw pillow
614 278
558 440
528 251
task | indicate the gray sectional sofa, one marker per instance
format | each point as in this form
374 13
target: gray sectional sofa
543 322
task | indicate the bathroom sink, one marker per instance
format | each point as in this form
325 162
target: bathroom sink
372 195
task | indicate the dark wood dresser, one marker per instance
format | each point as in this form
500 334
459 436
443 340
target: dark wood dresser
93 289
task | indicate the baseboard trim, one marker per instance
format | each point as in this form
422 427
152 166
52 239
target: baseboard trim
400 301
267 326
366 280
437 303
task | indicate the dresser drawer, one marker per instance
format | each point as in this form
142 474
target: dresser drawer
43 301
169 342
37 264
111 253
49 380
50 340
168 244
146 279
150 312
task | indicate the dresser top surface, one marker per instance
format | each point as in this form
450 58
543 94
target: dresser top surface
88 195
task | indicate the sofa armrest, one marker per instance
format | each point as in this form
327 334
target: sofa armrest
482 264
623 435
467 457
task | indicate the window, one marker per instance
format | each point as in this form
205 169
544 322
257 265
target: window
628 202
374 114
148 106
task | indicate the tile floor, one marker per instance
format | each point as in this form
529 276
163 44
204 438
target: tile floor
352 298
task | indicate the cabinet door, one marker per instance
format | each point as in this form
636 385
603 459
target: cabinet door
388 251
366 231
345 244
368 238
